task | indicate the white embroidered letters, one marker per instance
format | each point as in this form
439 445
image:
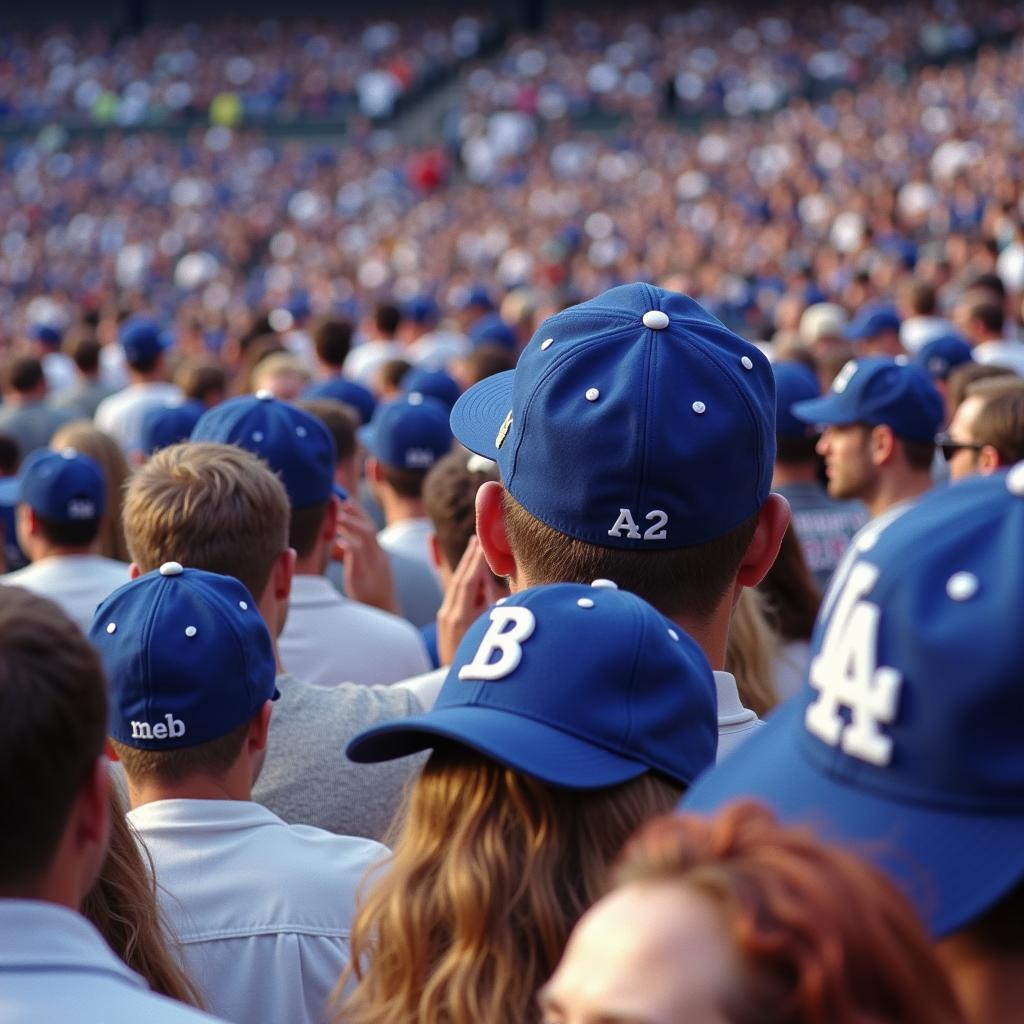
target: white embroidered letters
509 627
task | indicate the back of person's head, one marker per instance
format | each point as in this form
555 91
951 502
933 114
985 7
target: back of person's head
449 499
85 351
389 376
921 298
53 717
209 506
988 315
65 495
202 381
10 455
341 420
792 598
962 377
83 437
283 374
386 318
332 338
23 376
143 344
752 922
751 652
485 361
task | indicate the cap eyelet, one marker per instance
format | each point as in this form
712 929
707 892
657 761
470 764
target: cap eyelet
190 631
592 395
585 602
699 408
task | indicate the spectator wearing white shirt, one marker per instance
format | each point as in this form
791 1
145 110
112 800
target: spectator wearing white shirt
61 505
121 415
262 909
362 363
54 965
983 325
404 440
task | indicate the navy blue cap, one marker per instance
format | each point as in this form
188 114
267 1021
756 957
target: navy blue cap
164 425
187 656
46 334
422 309
794 382
871 321
348 391
142 339
905 742
943 354
492 330
64 486
879 391
295 444
476 296
410 433
433 384
635 420
580 687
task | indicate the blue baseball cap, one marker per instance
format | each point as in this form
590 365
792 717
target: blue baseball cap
580 687
871 321
187 657
164 425
794 382
879 391
64 486
410 433
492 330
905 741
295 444
433 384
634 420
476 296
943 354
348 391
142 339
422 309
46 334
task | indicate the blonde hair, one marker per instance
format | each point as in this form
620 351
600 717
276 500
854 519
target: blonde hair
491 869
122 905
103 449
210 506
270 371
751 653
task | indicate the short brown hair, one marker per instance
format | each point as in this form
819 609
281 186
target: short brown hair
53 720
170 767
919 454
209 506
304 527
201 380
406 483
332 339
1000 423
23 374
449 497
486 360
987 313
688 581
963 377
341 421
392 372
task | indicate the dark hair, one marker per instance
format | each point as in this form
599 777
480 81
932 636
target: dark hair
922 298
24 374
792 595
485 361
795 449
685 581
304 527
963 376
988 314
1000 423
10 455
341 421
996 932
201 381
989 282
919 454
144 362
85 351
386 318
449 497
406 483
392 372
76 533
169 767
332 339
53 721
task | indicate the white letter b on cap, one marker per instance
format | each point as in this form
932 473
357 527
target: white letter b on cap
509 627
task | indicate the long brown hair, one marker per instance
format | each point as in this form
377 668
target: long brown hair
122 905
792 596
491 869
822 937
751 653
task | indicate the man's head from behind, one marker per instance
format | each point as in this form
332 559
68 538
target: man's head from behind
53 719
987 430
635 441
191 668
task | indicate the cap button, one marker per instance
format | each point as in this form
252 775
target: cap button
656 320
1015 480
264 395
605 584
171 569
415 398
69 453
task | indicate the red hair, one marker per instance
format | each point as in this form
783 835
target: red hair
823 937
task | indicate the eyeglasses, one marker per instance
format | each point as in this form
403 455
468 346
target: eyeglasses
950 446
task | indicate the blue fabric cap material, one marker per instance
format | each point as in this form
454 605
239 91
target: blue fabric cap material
635 420
905 742
422 309
348 391
410 433
46 334
871 321
794 382
187 656
943 354
492 330
65 486
164 425
142 339
476 297
879 391
433 384
580 687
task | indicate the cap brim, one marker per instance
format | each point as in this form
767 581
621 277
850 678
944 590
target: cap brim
822 410
524 744
479 413
951 864
9 486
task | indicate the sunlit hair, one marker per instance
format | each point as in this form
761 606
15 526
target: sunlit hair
751 653
822 937
103 449
491 869
122 905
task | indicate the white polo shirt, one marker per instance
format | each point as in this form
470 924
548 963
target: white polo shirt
330 639
262 909
55 966
121 414
410 537
78 583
